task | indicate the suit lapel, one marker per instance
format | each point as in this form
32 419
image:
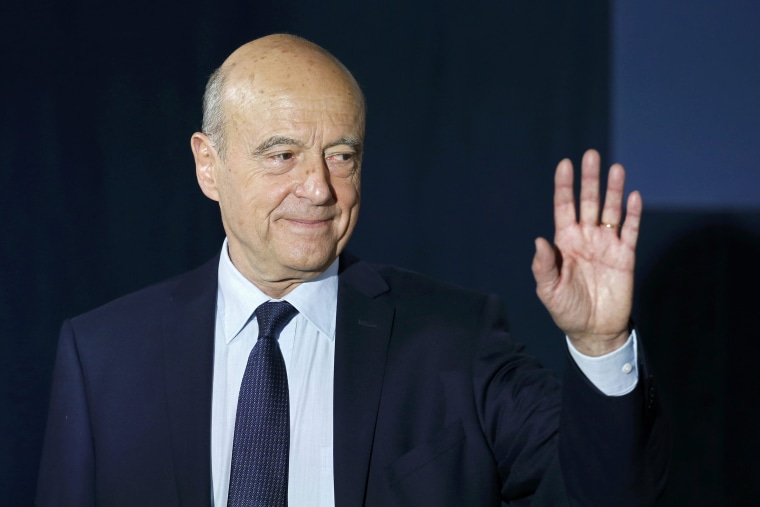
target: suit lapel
363 331
188 337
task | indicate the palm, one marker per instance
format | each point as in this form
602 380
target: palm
587 284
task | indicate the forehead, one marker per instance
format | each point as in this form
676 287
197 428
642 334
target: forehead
293 98
301 116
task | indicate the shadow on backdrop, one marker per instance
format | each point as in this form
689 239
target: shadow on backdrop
699 313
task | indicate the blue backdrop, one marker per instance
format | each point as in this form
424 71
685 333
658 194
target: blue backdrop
470 108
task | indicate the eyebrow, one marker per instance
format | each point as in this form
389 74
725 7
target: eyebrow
351 141
276 141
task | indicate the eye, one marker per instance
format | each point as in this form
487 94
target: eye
342 164
340 157
282 156
279 161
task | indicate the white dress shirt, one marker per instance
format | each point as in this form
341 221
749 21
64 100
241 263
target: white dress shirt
308 347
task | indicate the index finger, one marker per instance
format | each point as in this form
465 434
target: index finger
564 197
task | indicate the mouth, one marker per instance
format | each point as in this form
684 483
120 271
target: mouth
308 223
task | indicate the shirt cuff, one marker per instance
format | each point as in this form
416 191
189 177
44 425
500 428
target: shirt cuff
616 373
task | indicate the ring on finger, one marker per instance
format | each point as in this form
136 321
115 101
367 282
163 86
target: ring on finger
609 226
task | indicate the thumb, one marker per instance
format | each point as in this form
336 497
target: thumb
544 267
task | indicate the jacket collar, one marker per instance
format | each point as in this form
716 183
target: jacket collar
364 323
188 338
363 329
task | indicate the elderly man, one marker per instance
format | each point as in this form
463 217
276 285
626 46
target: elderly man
286 372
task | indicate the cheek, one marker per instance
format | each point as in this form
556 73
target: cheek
258 200
347 194
348 200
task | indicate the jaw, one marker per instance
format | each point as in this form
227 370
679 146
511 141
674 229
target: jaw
290 251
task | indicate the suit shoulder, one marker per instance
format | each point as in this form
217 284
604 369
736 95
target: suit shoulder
426 296
405 282
156 298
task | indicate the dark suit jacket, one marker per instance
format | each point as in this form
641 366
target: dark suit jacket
433 405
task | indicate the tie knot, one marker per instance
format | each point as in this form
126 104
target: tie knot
272 317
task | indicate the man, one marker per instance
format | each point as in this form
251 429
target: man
402 390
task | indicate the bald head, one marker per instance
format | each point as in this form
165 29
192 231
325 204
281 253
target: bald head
278 63
281 153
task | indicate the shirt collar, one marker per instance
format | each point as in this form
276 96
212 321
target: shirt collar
316 300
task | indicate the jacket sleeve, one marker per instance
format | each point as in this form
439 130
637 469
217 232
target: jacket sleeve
613 449
569 444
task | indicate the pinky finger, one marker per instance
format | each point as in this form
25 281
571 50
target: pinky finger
629 234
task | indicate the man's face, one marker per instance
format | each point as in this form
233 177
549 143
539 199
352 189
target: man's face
288 187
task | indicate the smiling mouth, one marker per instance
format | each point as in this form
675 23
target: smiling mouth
306 222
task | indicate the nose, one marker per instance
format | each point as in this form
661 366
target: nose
315 184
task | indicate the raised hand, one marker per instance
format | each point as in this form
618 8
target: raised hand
586 280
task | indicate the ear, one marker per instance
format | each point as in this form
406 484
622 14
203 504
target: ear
207 164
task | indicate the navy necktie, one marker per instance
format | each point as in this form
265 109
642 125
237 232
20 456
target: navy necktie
259 474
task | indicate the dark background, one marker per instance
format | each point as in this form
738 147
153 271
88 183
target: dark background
471 105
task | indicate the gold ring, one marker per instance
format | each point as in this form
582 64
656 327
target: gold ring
609 226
